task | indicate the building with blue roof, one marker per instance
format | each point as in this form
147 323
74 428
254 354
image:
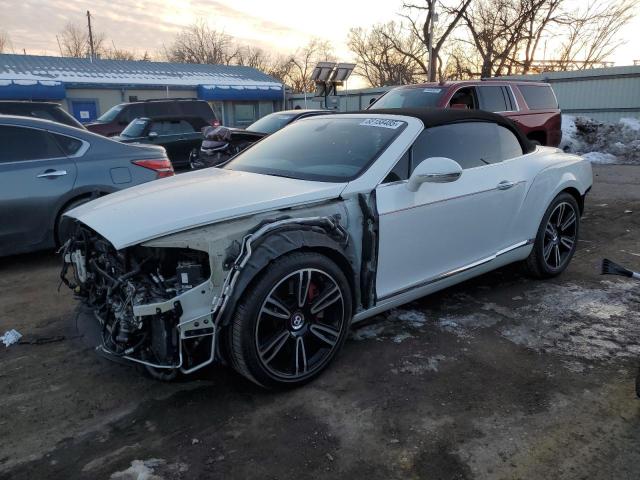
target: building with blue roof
89 87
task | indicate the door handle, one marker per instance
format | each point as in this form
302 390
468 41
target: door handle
52 173
505 185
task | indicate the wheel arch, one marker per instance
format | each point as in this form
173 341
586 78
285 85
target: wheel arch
86 195
279 244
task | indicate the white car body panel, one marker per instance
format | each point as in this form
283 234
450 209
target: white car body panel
194 199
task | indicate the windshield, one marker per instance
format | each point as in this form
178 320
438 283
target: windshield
321 149
409 98
271 123
110 114
135 128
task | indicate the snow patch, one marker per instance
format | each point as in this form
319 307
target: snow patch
601 142
140 470
419 365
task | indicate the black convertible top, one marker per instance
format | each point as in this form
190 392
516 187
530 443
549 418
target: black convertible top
432 117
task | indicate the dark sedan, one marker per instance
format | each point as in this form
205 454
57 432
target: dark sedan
178 135
221 143
48 168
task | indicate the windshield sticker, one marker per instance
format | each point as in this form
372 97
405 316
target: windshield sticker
381 122
432 90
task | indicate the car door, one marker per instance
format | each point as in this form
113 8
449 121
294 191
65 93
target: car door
34 175
444 227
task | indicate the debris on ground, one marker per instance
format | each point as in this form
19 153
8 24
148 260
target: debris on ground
10 337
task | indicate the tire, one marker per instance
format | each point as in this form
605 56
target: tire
280 337
556 239
63 226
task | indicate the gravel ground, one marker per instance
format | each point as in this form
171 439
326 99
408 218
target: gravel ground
500 377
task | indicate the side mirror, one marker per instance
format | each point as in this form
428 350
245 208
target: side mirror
152 135
434 170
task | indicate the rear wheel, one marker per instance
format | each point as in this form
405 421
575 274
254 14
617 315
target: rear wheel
556 239
292 321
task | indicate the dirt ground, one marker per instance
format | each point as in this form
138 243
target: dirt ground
500 377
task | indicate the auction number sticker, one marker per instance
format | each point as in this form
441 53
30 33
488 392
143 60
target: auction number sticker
432 90
381 122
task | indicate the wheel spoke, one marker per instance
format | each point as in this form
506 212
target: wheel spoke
304 280
556 250
274 347
567 242
275 308
560 214
325 333
547 251
569 221
331 296
301 354
549 230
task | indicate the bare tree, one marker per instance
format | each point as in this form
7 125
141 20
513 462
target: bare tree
303 62
254 57
74 41
591 32
199 43
421 22
5 42
378 59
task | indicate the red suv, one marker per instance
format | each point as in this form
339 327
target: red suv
115 120
531 105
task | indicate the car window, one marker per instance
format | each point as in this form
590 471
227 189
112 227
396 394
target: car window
19 143
171 127
135 129
492 99
409 97
111 114
464 96
471 144
271 123
156 109
320 148
401 169
538 97
131 112
69 145
509 145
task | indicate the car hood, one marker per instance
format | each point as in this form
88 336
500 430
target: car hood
189 200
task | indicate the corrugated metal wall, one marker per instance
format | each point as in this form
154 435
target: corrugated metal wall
605 94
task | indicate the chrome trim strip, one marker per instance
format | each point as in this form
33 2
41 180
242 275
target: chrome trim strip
456 271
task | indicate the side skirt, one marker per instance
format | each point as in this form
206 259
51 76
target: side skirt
506 256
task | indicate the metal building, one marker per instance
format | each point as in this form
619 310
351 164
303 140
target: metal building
604 94
87 88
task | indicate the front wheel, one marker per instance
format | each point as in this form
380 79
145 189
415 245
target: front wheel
556 239
292 321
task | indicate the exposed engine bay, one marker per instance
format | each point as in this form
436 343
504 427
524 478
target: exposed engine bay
162 304
115 284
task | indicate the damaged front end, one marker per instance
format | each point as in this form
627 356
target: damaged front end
138 295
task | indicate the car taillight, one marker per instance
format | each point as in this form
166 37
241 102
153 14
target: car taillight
215 122
162 166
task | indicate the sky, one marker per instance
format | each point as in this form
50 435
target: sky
279 25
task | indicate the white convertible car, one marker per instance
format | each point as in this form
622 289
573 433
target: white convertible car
265 263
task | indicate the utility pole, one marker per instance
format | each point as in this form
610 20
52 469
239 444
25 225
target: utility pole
432 14
90 35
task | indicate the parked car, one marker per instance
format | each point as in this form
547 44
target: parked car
178 135
114 120
45 110
221 143
47 168
531 105
332 220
